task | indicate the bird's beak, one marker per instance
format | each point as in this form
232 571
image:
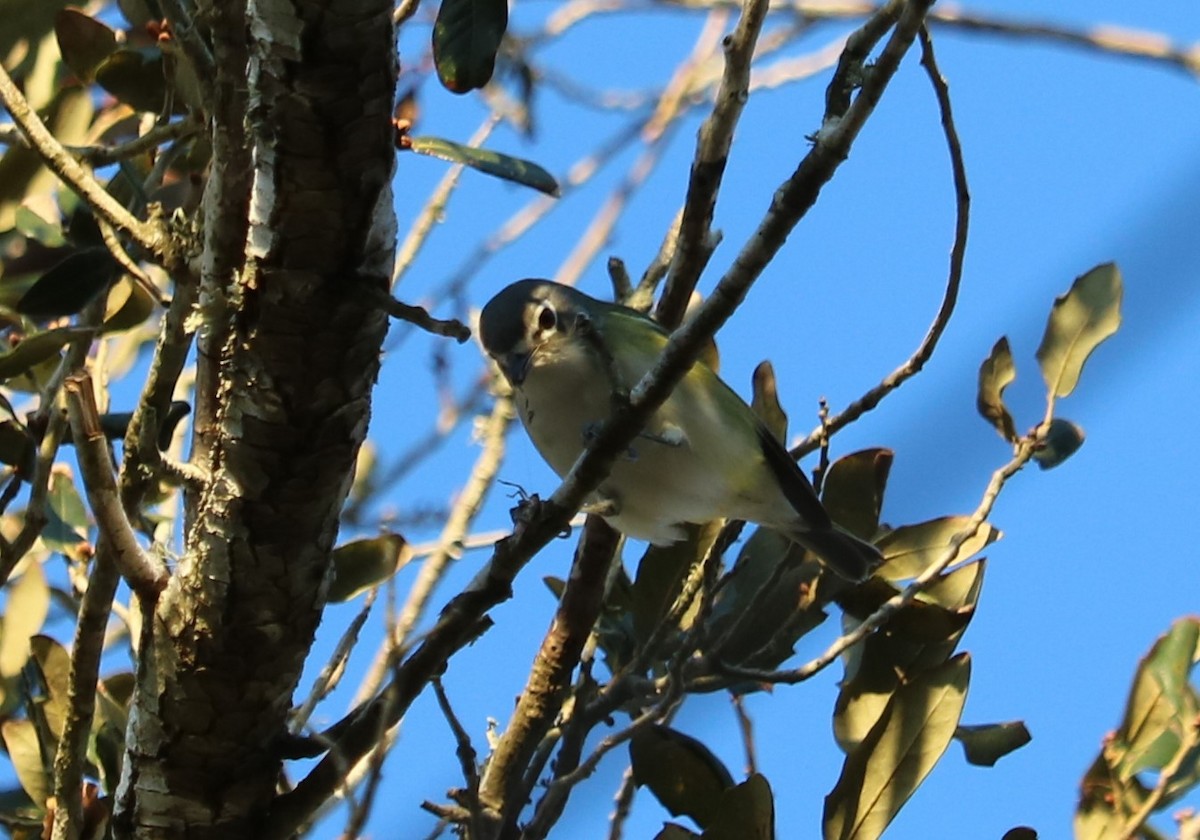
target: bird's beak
515 367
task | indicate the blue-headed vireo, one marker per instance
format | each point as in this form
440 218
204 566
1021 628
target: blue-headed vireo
703 455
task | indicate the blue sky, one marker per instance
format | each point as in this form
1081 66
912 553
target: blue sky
1073 159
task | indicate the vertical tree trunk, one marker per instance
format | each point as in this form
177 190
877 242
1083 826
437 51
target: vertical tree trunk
298 222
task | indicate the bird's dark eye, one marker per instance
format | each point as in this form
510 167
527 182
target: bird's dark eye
546 318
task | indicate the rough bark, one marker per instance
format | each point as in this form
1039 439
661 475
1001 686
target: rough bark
298 218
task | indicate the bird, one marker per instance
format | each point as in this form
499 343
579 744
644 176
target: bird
703 454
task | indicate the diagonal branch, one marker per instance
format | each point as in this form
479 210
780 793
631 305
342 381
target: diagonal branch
153 237
463 618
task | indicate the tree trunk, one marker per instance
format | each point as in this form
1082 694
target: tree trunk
298 223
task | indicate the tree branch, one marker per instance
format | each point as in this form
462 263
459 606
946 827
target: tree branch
695 244
962 210
153 237
144 575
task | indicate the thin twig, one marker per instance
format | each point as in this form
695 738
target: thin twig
100 155
1022 454
331 674
145 575
467 760
962 210
418 316
623 804
746 727
708 166
153 238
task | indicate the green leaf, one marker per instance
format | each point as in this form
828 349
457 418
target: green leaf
44 231
1104 804
37 348
16 446
83 41
853 490
70 285
129 305
24 615
746 812
762 610
1162 703
362 564
1082 318
509 168
54 664
910 549
995 374
67 517
922 635
660 576
137 77
21 742
985 745
681 772
884 770
466 38
1063 439
766 401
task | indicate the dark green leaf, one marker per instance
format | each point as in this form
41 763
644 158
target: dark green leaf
493 163
1062 440
884 770
995 374
763 609
83 41
362 564
1021 832
1082 318
137 77
746 812
660 577
681 772
985 745
674 831
766 401
70 285
853 490
466 37
16 446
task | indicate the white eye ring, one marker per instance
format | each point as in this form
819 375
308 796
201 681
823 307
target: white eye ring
547 318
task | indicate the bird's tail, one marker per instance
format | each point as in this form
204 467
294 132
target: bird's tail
846 554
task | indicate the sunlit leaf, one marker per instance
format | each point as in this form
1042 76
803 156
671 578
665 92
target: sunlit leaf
503 166
1162 702
54 663
466 37
31 224
1082 318
681 772
129 305
853 490
70 285
28 605
910 549
995 374
986 744
21 742
1104 803
766 401
362 564
1062 440
83 41
882 772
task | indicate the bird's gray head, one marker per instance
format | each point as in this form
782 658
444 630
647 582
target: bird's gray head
526 318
